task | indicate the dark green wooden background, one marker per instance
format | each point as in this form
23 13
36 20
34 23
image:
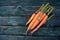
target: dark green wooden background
15 13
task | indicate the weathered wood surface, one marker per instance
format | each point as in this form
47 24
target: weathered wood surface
13 21
18 30
23 11
8 37
15 13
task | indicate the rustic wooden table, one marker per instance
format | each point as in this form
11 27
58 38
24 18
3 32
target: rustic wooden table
15 13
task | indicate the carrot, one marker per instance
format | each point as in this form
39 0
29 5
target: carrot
41 17
42 22
37 21
35 18
33 15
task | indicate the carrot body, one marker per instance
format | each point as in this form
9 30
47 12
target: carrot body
42 22
38 20
35 18
31 18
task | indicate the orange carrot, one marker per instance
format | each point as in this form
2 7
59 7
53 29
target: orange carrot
33 15
35 18
42 22
38 20
41 17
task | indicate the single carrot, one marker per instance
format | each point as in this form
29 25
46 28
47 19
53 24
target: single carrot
42 22
33 15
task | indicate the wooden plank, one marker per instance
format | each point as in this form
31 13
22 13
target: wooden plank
15 3
21 2
16 10
23 11
13 21
12 30
48 31
9 37
57 21
21 30
57 12
27 2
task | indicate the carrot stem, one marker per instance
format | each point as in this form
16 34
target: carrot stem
50 17
40 8
44 7
50 11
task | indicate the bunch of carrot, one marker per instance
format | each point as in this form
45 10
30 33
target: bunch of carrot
39 18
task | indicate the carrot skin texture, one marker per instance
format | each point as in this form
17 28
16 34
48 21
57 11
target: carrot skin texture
37 21
42 22
32 22
31 18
